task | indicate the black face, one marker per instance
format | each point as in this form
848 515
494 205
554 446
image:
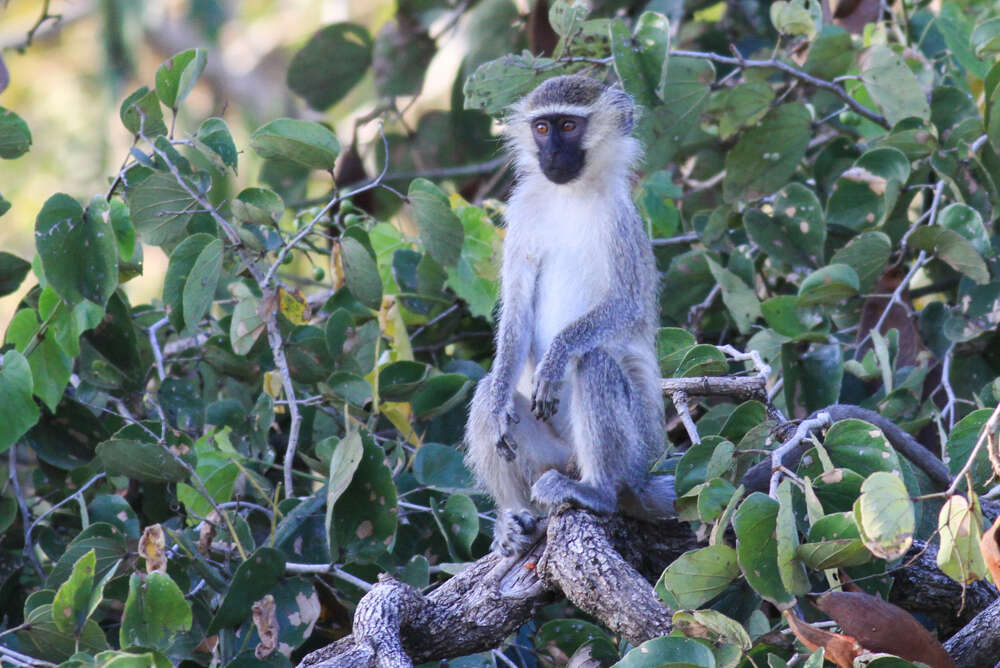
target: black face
560 145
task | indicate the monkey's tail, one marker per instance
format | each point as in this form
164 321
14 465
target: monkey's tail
652 501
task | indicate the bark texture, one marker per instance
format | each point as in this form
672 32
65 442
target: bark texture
598 564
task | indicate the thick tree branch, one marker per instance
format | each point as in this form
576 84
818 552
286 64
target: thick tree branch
594 562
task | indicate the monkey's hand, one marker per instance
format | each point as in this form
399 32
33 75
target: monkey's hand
501 416
548 384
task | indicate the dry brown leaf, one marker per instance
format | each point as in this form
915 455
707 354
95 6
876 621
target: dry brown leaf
206 533
152 547
989 545
880 626
840 649
266 621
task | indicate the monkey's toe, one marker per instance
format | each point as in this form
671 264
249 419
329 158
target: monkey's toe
514 532
554 489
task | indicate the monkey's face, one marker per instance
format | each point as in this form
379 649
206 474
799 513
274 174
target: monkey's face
559 138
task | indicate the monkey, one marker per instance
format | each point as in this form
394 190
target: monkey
571 410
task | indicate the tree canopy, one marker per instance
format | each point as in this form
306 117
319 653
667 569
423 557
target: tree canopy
219 474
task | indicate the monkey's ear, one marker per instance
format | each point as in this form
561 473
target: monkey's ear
622 103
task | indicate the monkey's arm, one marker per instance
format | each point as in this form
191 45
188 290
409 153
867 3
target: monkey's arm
513 344
622 309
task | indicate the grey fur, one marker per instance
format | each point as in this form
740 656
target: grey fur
572 410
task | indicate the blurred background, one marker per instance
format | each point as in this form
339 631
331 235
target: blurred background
86 56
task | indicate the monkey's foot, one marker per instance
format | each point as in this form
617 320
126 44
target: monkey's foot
554 488
515 532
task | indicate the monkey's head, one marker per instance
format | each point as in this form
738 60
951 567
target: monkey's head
572 128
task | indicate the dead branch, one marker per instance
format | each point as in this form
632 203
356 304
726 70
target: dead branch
396 625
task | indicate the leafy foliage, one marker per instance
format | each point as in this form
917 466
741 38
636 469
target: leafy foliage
294 431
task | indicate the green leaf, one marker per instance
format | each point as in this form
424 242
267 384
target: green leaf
44 641
796 233
253 578
334 59
865 193
668 652
968 222
18 412
985 39
246 325
961 442
791 18
831 54
214 134
259 206
792 572
402 51
343 464
784 316
141 113
15 137
439 395
303 142
893 86
363 525
176 77
739 298
702 360
960 527
641 60
755 522
77 249
828 285
155 611
71 605
439 227
461 521
698 576
497 84
867 254
672 343
713 626
953 249
161 208
767 155
474 277
183 260
140 460
201 282
399 380
568 635
884 515
360 270
665 128
108 544
12 272
834 542
741 106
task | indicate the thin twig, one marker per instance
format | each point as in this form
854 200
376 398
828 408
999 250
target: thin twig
680 400
328 569
337 199
78 493
29 549
992 426
676 241
821 420
155 345
770 64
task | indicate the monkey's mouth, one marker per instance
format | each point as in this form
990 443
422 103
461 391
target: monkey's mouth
563 166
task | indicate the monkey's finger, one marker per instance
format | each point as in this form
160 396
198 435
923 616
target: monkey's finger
514 417
506 447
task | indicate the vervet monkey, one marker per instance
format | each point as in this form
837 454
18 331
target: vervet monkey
572 411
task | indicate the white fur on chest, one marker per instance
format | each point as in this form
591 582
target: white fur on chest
568 240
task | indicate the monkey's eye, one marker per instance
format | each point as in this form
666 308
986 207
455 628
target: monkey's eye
542 127
567 125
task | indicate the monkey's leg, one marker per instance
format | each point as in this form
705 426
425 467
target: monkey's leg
509 481
608 450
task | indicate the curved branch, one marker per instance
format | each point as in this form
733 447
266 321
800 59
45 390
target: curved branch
395 625
758 478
